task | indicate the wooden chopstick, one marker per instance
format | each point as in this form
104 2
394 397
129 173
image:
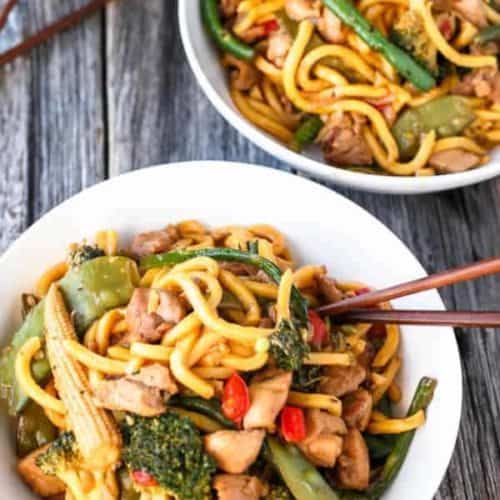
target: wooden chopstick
410 317
45 34
438 280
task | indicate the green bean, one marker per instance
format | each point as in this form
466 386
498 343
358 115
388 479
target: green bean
299 304
210 408
222 37
300 476
90 290
404 63
489 34
307 132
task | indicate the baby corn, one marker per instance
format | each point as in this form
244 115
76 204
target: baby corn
95 432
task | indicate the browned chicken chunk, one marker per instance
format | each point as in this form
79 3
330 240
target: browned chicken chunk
40 483
154 241
323 443
231 487
243 76
234 451
454 160
481 82
229 7
279 44
353 465
144 394
343 142
357 408
147 326
341 380
328 289
268 395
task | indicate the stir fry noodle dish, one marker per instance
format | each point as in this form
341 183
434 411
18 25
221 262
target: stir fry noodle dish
192 365
392 87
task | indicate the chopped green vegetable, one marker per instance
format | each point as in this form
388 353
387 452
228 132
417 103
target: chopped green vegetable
298 303
83 253
34 429
379 447
208 407
221 36
90 290
489 34
278 492
300 476
307 378
447 116
405 64
170 449
288 347
307 132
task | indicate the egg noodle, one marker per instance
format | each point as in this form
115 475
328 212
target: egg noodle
231 315
297 73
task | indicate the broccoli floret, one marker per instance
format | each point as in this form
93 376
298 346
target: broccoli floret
306 378
83 253
410 35
62 459
170 449
279 492
288 346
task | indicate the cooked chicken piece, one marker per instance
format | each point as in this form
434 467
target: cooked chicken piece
243 76
234 451
40 483
268 395
341 380
323 443
230 487
144 394
279 44
366 357
330 27
254 33
342 140
473 11
482 82
154 241
238 268
357 408
328 288
298 10
454 160
353 465
229 7
147 326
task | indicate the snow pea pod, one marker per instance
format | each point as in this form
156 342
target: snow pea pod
447 116
90 290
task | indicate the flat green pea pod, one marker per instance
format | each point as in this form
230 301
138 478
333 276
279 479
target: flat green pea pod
307 132
33 430
90 290
447 116
299 475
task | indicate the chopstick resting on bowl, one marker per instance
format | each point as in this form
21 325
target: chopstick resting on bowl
351 309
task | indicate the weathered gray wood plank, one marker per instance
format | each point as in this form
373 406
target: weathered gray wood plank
14 119
67 120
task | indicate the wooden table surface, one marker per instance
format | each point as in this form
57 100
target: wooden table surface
116 94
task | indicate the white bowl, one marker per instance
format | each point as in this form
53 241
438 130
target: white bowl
322 227
204 60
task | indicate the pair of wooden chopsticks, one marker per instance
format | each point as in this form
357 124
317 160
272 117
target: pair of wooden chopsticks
45 34
351 310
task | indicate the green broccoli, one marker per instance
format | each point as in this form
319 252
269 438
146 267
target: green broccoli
410 35
306 378
83 253
288 346
170 449
278 492
62 459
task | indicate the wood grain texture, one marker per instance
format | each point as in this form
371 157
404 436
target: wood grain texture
116 94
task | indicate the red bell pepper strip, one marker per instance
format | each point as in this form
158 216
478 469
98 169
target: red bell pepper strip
235 398
293 424
318 328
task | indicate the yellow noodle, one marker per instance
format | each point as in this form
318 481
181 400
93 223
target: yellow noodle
283 300
105 328
204 343
270 70
322 401
388 376
107 241
256 12
467 33
189 324
215 372
329 74
150 351
397 425
207 264
305 277
329 358
394 392
266 290
458 143
389 348
255 362
52 274
492 15
237 287
119 352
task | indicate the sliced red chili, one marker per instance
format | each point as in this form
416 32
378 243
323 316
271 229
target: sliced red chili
318 328
143 478
293 424
270 26
235 398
